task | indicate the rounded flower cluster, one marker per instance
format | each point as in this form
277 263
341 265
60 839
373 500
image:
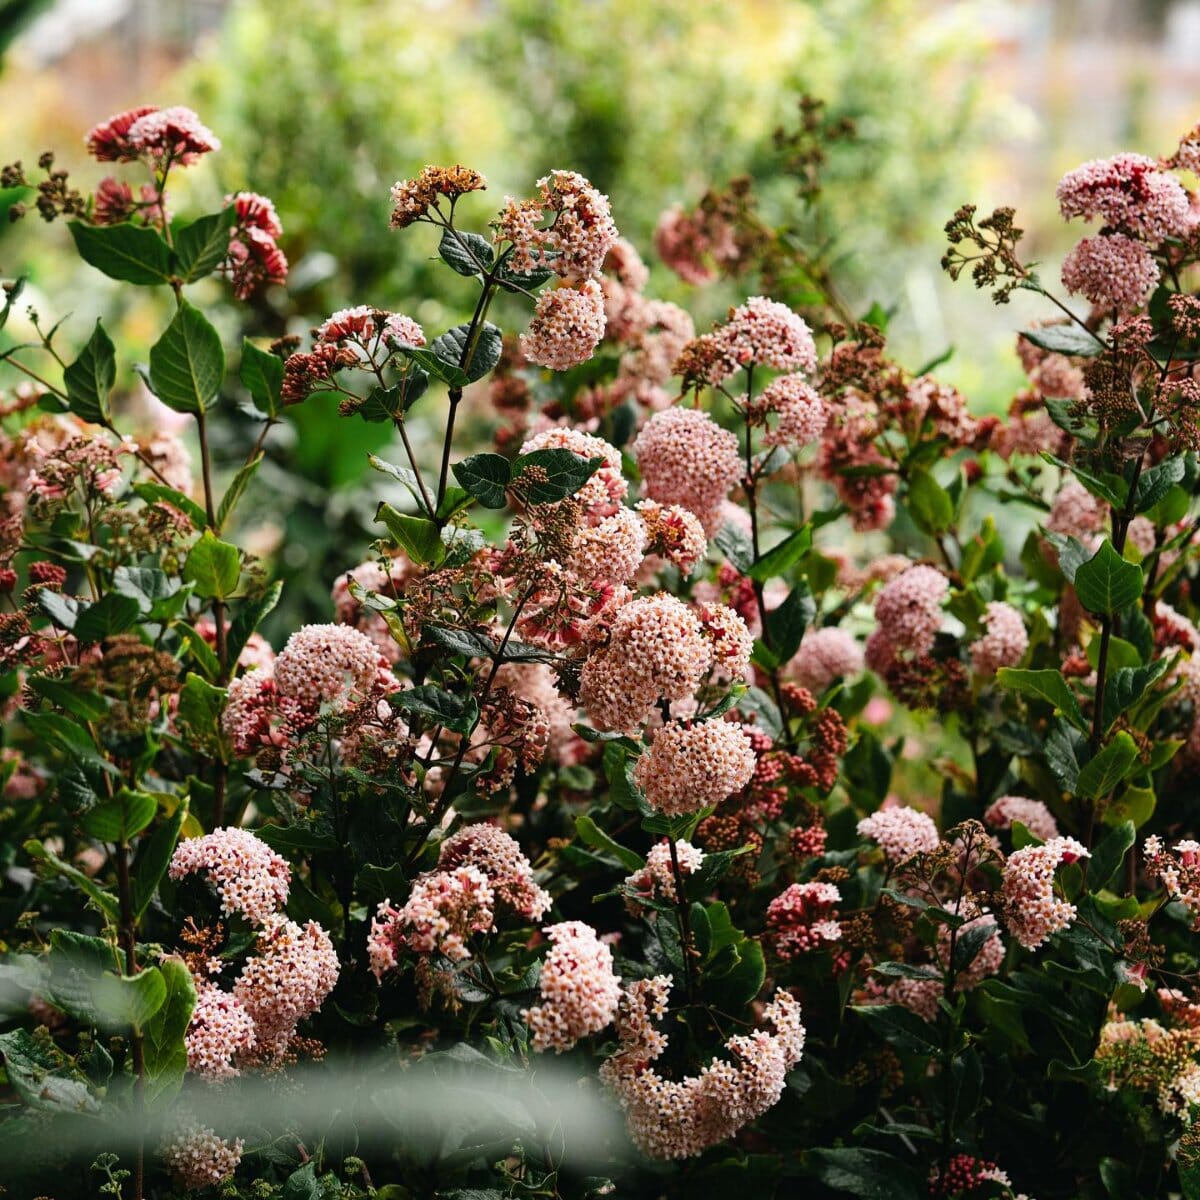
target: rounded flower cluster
1032 911
686 458
691 766
602 494
1033 814
656 880
327 664
509 873
1075 512
568 324
294 967
198 1158
909 608
250 710
732 642
801 919
1129 192
1178 871
824 655
670 1118
1005 642
609 551
800 410
364 325
164 135
220 1032
657 649
579 991
673 532
254 260
249 876
1112 271
413 198
901 832
443 910
766 333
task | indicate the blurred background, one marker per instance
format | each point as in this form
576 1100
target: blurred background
322 106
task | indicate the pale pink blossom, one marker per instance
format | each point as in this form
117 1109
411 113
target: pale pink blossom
1032 911
901 832
1112 271
824 655
567 326
249 876
1004 641
579 990
690 766
1033 814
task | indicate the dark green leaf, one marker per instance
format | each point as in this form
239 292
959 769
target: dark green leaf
1108 855
592 835
565 473
1065 339
466 253
248 618
420 537
130 253
900 1027
187 364
154 858
121 818
1106 583
235 490
35 1073
779 559
1047 685
1099 777
202 245
164 1046
199 716
440 707
451 349
62 610
1155 482
930 504
103 900
113 613
866 1174
485 476
213 566
158 493
787 622
262 375
90 378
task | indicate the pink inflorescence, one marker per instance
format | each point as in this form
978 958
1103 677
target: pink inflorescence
909 608
690 766
327 664
825 654
249 876
221 1031
568 324
686 458
1112 271
800 411
1031 910
508 871
1178 870
656 880
294 967
802 918
674 532
1033 814
1128 192
364 325
1005 641
731 640
657 649
670 1118
199 1158
1075 512
765 333
609 551
579 990
901 832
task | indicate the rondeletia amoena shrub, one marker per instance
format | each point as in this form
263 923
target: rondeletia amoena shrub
600 758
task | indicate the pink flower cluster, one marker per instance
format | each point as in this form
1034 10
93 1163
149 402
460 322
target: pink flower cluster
332 665
691 766
220 1033
656 880
567 326
1031 910
508 871
909 608
673 532
824 655
1112 271
1128 192
602 494
800 411
901 832
1178 870
802 918
687 242
255 260
579 991
161 135
365 327
199 1158
686 458
1005 641
1033 814
249 876
765 333
669 1118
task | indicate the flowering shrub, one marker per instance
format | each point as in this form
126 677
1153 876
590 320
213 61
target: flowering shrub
603 758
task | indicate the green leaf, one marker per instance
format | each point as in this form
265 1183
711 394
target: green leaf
592 835
1106 583
779 559
466 253
1113 489
187 364
565 473
248 618
159 493
1046 685
1062 749
121 818
930 504
199 716
1065 339
89 705
68 737
1134 804
155 857
787 622
391 403
202 652
866 1174
62 610
130 253
113 613
449 373
419 536
237 486
485 476
736 545
1125 686
164 1046
901 1027
451 348
1099 777
1155 482
35 1073
90 378
213 566
1108 854
440 707
262 375
202 245
105 902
